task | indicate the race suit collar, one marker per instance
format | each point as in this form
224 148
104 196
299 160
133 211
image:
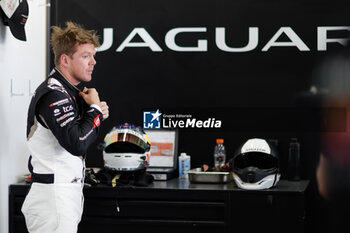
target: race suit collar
57 74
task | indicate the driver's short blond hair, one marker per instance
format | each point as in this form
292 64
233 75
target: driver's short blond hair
64 40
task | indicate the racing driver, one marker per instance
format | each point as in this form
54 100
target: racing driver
62 123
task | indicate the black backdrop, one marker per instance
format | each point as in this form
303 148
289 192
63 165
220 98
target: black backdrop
252 92
227 85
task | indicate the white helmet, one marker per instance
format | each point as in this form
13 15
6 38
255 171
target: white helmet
256 165
126 148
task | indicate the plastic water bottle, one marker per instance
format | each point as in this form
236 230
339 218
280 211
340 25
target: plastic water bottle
219 154
294 160
184 165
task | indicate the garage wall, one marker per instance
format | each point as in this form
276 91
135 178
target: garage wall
240 62
193 58
22 64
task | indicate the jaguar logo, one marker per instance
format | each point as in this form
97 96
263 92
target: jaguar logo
201 45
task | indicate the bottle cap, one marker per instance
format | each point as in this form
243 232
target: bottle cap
183 154
220 141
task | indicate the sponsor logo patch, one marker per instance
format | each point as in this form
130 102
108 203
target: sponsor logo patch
56 112
68 108
86 135
77 180
66 121
59 103
64 116
97 121
57 88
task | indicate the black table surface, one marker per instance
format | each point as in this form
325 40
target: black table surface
283 186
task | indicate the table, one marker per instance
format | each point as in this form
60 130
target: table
180 206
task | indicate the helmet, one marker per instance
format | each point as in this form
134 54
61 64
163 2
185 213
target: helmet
126 148
256 165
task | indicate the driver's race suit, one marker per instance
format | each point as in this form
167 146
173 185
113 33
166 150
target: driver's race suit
60 129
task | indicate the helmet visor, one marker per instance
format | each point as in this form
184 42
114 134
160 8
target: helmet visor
124 142
254 174
254 166
255 159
